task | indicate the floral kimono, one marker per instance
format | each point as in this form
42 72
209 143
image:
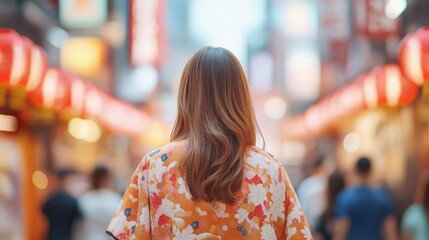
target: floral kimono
158 205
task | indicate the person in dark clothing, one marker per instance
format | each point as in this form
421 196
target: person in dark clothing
363 211
61 209
336 184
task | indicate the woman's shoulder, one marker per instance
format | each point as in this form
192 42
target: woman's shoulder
168 152
258 157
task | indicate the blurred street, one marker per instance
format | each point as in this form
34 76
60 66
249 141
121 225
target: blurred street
340 90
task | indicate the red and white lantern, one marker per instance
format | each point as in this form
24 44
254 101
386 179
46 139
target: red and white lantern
414 56
21 62
393 89
14 57
54 90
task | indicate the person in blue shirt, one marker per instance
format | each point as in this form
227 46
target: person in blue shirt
363 211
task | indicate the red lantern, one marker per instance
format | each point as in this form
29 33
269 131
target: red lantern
393 88
14 57
368 84
414 56
21 62
54 90
78 89
38 67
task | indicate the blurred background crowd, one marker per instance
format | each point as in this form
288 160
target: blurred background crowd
340 89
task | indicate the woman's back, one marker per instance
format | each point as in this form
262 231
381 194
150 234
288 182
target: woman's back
158 205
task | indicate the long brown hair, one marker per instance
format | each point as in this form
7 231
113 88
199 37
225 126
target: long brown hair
215 114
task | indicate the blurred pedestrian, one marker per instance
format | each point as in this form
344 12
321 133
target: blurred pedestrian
97 205
314 187
325 226
363 211
211 181
415 223
61 208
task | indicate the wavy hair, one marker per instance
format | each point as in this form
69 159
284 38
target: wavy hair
216 116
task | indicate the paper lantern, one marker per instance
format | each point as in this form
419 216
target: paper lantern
54 90
414 56
393 88
21 62
14 60
38 67
368 82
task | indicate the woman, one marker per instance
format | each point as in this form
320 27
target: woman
97 205
415 223
211 182
336 184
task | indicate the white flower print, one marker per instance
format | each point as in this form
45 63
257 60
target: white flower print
278 198
254 159
132 198
307 233
183 189
268 232
204 236
220 211
179 212
241 215
274 171
295 213
257 159
144 218
166 208
122 223
186 233
201 212
258 194
159 169
249 174
290 232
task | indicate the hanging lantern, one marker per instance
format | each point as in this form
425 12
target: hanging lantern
414 56
369 89
14 60
54 90
38 67
78 89
393 88
21 62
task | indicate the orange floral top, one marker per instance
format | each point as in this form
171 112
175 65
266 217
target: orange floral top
157 204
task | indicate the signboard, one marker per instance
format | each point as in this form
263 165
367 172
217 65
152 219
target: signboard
147 32
334 19
372 22
83 13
